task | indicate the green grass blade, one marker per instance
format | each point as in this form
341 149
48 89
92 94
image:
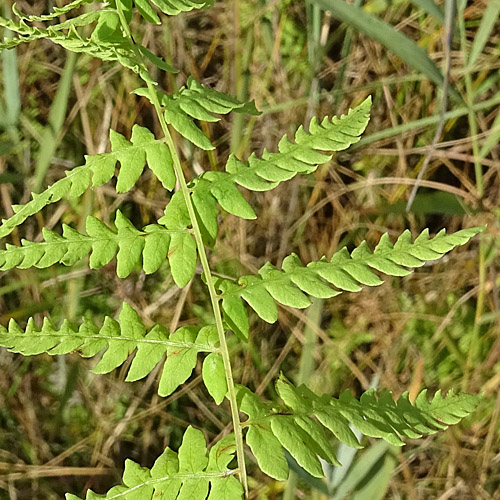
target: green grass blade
385 34
10 82
335 476
369 476
344 54
57 115
431 8
488 21
11 86
493 138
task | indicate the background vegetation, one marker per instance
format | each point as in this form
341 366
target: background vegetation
437 328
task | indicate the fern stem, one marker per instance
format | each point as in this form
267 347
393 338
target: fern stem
214 297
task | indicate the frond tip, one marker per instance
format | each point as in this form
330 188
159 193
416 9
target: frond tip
292 284
302 422
186 474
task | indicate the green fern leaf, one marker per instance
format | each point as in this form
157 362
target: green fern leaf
231 200
169 7
268 451
128 244
182 249
235 314
133 155
155 248
73 185
214 375
99 169
344 271
176 213
106 42
304 156
301 425
188 474
108 28
264 174
182 257
56 12
205 207
30 33
180 362
119 339
147 11
446 410
265 446
198 102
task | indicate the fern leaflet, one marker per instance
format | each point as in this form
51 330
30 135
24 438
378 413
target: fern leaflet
56 12
264 174
133 156
169 7
188 474
121 339
106 43
291 285
198 102
300 424
127 243
99 169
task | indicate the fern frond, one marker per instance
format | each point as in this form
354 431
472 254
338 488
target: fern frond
300 424
56 12
169 7
264 174
99 169
106 43
260 174
30 33
127 243
121 339
188 474
292 284
73 185
199 102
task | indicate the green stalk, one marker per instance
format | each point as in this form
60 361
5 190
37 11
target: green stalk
474 351
344 54
469 92
242 60
214 297
50 137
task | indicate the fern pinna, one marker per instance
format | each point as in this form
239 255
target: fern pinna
304 424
